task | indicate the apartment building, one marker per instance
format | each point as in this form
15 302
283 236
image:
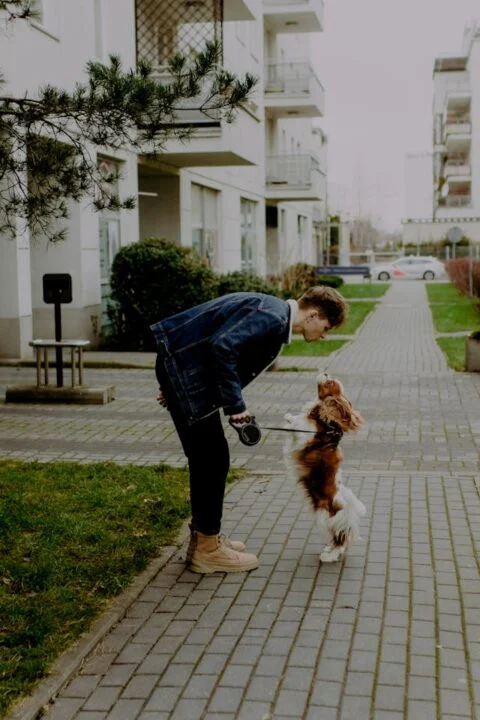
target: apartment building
249 195
456 146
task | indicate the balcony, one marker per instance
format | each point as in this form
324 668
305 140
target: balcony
165 29
237 10
215 143
458 97
457 126
295 177
293 90
293 16
457 167
456 201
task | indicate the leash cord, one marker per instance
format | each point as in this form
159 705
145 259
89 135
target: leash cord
266 427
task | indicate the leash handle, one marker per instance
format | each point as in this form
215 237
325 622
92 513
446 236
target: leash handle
248 432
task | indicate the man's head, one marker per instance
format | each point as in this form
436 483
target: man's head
320 309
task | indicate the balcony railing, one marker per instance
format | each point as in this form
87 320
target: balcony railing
459 86
458 126
452 119
296 170
165 29
457 159
456 201
291 78
457 166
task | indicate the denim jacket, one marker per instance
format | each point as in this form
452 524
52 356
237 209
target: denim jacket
211 351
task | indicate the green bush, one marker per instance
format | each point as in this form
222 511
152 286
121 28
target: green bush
151 280
334 281
241 281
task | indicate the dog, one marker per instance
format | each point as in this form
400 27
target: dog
314 460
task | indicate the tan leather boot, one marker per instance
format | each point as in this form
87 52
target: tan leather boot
212 554
237 545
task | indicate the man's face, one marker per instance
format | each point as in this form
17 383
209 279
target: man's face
315 327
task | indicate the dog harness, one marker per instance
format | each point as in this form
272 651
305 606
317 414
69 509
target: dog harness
332 432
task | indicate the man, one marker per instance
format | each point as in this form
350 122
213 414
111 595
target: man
206 355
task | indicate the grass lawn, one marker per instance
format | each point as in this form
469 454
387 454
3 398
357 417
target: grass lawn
451 311
358 311
72 537
454 350
320 348
364 290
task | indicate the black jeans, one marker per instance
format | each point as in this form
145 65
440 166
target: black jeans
205 445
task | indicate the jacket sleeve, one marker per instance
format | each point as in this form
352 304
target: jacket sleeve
228 342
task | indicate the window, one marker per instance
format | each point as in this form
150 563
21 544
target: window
205 223
302 237
248 212
109 233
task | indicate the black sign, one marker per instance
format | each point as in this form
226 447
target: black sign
57 288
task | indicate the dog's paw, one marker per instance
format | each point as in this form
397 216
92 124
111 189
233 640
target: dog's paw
331 554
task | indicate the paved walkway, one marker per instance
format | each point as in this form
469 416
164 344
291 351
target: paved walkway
393 632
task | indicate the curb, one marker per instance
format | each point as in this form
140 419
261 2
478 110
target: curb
93 364
66 666
36 705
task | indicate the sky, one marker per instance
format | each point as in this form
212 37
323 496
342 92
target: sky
375 59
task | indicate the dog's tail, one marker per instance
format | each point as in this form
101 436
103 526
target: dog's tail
345 524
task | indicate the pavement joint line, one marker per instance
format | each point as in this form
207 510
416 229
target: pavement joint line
385 602
410 595
438 693
362 585
476 553
468 658
245 690
324 636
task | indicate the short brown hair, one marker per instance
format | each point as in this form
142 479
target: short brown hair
329 303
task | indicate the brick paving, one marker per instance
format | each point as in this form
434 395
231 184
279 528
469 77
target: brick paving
392 632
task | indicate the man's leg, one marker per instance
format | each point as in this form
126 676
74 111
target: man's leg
206 448
208 461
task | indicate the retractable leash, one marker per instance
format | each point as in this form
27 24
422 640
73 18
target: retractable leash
250 433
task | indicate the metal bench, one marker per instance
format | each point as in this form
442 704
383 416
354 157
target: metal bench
345 270
42 347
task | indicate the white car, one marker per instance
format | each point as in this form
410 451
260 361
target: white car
412 266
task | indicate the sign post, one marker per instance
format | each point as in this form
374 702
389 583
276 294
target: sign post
454 235
57 289
470 269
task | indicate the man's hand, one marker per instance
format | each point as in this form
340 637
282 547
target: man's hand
241 417
161 400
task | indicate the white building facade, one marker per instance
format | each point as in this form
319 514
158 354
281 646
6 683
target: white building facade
250 195
456 147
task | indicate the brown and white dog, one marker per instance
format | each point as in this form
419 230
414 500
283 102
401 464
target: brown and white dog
314 461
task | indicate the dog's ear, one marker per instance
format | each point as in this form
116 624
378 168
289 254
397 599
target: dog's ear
331 388
340 410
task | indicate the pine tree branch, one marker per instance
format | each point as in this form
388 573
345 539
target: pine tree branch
56 131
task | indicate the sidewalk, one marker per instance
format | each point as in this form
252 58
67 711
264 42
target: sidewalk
391 633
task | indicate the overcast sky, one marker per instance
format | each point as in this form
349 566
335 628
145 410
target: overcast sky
376 61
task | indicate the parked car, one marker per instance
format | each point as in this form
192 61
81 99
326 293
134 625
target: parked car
411 266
